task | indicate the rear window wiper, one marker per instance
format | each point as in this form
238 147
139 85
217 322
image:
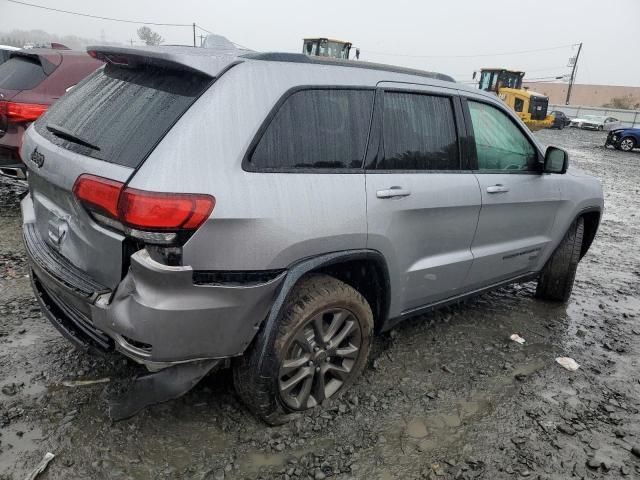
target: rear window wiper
65 134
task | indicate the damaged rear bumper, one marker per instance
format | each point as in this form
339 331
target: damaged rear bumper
156 316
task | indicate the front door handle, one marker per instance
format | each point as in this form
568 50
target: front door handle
499 188
393 192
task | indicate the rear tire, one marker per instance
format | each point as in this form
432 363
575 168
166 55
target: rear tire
308 358
557 276
600 128
627 144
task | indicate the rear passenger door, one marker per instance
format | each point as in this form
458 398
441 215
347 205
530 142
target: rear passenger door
519 202
422 201
305 174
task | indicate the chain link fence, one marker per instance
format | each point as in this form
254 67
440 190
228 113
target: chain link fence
628 118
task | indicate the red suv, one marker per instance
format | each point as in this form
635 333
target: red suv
30 81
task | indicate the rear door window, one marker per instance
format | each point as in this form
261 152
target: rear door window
122 112
21 73
418 133
316 129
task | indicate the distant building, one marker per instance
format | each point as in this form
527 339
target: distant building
589 95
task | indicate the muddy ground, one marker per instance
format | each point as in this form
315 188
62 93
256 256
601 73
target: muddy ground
445 396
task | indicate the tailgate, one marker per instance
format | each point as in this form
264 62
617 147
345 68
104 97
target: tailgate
60 221
106 126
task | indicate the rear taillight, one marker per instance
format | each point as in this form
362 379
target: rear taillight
98 194
150 216
22 112
163 211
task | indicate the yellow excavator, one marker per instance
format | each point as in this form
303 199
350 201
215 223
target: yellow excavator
530 106
327 47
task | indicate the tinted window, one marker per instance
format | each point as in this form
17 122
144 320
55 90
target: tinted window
317 129
21 73
124 112
500 144
419 133
518 105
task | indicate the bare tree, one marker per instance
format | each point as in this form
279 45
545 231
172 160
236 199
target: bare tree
149 37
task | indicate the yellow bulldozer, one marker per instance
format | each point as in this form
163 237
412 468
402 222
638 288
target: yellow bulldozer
327 47
530 106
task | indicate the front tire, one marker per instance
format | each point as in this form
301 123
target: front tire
557 276
319 347
627 144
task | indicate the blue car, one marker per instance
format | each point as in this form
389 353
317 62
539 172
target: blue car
625 139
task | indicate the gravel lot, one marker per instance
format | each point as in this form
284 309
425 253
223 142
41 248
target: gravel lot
445 396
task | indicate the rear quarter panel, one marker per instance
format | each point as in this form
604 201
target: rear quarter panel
261 220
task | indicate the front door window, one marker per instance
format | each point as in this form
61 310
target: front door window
500 144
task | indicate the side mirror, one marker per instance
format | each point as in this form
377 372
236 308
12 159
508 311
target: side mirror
556 160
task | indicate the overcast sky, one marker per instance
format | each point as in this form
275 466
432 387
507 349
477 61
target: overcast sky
431 35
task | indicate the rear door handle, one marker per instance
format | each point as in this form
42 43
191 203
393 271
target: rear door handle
497 189
393 192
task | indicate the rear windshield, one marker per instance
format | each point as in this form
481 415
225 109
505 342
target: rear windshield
121 113
21 73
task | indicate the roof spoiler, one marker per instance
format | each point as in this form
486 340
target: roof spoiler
48 61
59 46
188 59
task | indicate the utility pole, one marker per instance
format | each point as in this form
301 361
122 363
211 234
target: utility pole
194 34
202 37
573 75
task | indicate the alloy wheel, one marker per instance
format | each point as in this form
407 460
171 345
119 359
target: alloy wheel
626 144
319 358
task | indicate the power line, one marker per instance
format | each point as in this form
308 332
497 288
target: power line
545 69
204 29
543 79
236 44
473 56
99 17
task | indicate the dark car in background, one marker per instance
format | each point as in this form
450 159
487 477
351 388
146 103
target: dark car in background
560 119
30 81
625 139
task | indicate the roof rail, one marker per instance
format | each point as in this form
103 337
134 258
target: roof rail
302 58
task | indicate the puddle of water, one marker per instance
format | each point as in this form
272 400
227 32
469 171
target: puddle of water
386 475
259 460
23 340
417 428
559 392
16 445
254 461
432 431
34 389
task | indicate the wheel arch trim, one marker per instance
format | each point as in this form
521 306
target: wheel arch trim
591 229
303 267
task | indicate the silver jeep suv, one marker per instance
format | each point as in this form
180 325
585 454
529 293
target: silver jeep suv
275 211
